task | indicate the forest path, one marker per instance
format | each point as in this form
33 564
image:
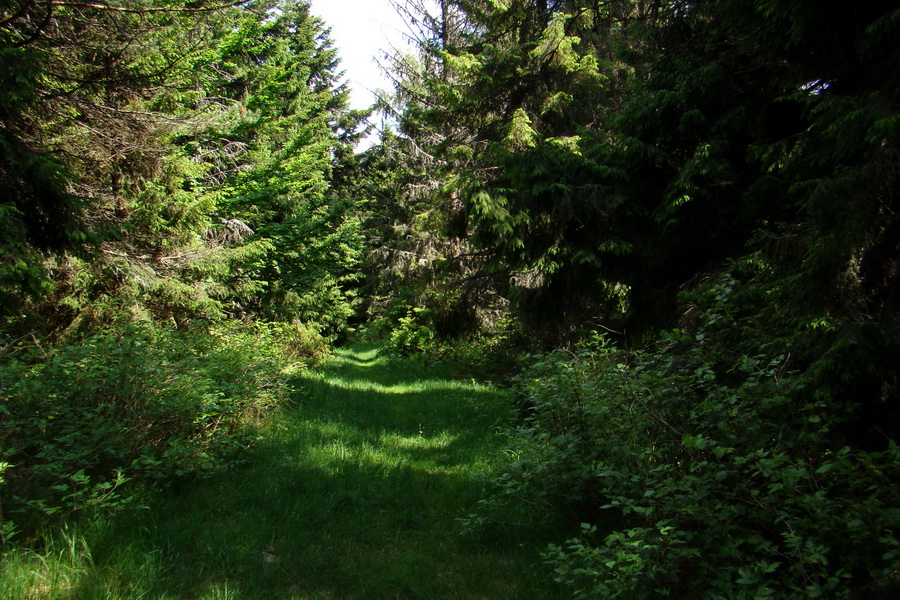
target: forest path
355 492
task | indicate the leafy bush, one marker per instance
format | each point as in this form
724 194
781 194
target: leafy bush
134 403
700 474
297 341
414 333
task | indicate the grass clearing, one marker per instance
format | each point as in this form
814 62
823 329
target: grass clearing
355 492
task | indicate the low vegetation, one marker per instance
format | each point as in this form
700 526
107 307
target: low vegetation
358 489
136 403
697 471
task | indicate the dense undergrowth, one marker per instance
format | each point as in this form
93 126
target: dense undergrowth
84 424
702 467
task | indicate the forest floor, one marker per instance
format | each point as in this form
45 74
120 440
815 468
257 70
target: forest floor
359 489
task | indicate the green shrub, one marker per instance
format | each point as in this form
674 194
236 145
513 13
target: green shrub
698 478
134 403
414 333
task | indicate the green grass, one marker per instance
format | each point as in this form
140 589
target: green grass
356 491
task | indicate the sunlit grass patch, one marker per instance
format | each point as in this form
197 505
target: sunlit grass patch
413 387
441 440
49 574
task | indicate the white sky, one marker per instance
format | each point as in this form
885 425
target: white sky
362 30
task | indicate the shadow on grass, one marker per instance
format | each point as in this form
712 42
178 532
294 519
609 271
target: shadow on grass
355 493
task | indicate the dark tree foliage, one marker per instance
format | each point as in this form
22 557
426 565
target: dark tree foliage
81 138
606 153
728 168
422 268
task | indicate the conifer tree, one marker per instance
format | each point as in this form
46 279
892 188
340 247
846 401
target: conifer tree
522 92
286 118
188 149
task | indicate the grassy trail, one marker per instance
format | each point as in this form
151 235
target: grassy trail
355 492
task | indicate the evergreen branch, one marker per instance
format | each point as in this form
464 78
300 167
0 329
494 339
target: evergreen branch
164 10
